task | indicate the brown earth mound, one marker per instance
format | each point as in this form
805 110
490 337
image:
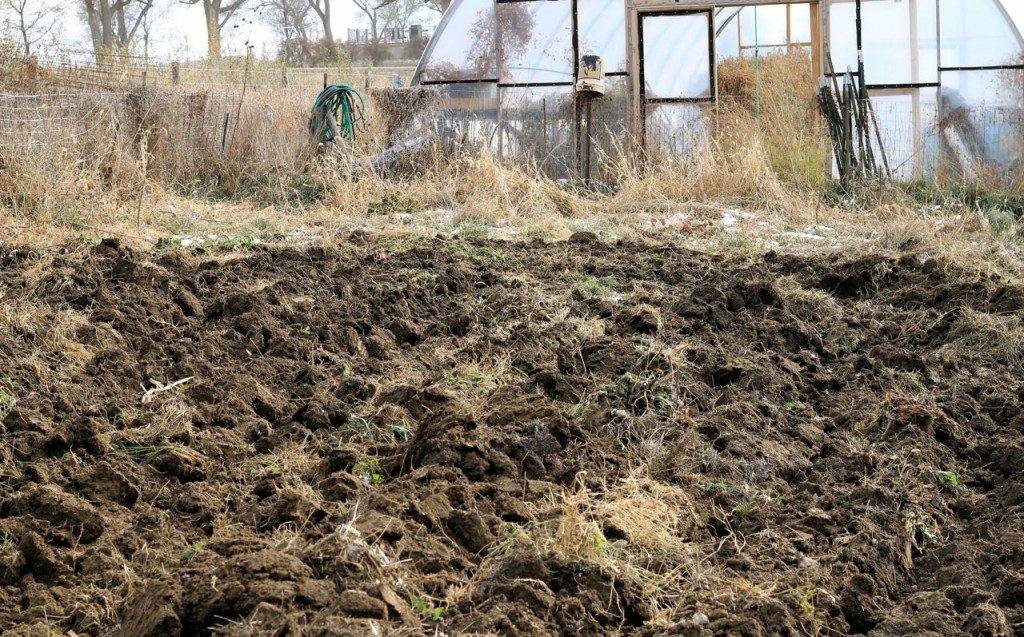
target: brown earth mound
468 437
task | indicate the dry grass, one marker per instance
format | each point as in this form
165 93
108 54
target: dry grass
996 336
161 163
790 128
657 555
731 169
812 306
656 517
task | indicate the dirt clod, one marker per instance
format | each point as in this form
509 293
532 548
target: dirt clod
399 436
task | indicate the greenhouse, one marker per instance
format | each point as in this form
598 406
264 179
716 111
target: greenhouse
571 85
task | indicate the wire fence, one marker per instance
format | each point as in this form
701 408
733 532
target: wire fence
197 77
919 141
55 118
184 116
184 134
202 113
84 65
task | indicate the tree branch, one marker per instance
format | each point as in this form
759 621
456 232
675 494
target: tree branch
315 5
229 10
146 6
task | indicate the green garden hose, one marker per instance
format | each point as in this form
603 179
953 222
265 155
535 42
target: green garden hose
345 105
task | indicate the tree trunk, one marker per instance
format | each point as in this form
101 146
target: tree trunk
106 27
24 33
212 10
324 14
93 18
122 31
326 19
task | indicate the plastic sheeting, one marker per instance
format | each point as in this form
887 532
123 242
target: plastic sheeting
676 72
933 105
887 60
463 47
602 36
536 42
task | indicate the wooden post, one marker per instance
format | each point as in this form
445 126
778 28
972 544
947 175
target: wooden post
915 94
789 30
544 124
587 140
176 73
144 79
816 43
325 80
847 165
339 141
284 77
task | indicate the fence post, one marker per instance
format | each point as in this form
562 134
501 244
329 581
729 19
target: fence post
144 79
176 73
224 134
325 80
284 77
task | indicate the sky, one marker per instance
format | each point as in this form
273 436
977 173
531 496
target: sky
190 36
1016 9
179 30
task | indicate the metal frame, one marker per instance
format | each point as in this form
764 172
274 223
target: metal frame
913 88
636 10
789 43
712 70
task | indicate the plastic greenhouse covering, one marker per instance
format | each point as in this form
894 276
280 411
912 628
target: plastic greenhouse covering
945 77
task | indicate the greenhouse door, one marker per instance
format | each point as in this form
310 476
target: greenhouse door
676 73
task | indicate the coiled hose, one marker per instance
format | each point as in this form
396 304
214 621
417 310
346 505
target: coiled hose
345 105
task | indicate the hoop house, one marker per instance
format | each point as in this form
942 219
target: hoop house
946 77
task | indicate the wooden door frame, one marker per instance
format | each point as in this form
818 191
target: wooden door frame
634 56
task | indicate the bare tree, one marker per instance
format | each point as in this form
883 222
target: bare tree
293 20
398 13
33 23
370 9
438 5
217 14
147 24
387 14
113 24
322 8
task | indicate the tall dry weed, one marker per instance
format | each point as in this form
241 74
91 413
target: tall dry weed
732 167
491 191
789 127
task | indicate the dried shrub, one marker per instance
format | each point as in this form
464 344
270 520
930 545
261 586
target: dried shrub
397 108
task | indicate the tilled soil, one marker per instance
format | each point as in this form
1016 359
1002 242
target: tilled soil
432 436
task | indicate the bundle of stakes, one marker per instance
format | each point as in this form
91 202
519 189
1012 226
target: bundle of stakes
851 123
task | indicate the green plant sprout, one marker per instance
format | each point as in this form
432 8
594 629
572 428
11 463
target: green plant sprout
948 479
369 471
193 551
142 454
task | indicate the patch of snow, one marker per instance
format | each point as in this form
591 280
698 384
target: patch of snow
732 216
803 235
